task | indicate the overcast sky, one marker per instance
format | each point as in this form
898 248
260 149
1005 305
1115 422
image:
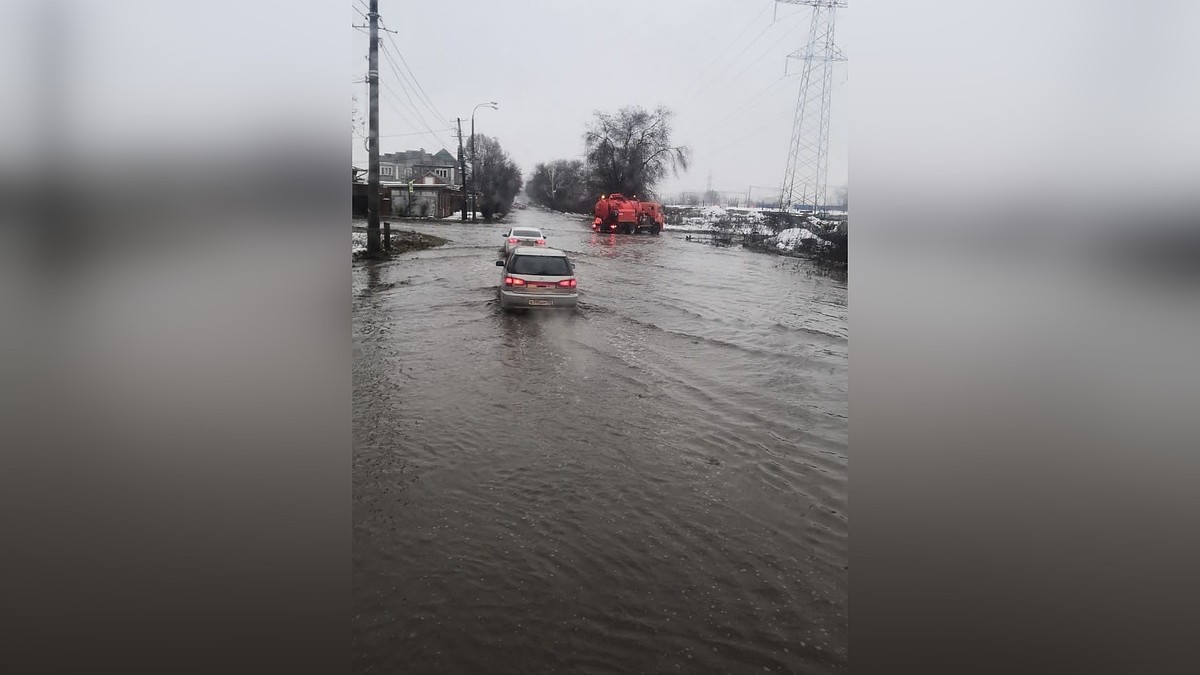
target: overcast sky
718 64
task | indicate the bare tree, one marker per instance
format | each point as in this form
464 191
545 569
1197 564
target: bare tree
495 176
559 185
551 185
631 151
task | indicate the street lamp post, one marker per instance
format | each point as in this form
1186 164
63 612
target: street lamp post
475 160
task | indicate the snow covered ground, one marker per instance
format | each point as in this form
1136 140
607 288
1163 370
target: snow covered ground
707 218
807 231
691 225
457 215
743 210
789 239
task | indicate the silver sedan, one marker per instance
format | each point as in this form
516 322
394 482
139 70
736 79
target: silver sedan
537 278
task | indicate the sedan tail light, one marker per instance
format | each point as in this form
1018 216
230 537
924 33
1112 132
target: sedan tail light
513 281
567 283
513 240
541 242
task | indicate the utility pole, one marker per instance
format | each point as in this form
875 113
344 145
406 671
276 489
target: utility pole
462 171
373 245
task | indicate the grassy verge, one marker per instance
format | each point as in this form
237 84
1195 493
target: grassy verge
405 241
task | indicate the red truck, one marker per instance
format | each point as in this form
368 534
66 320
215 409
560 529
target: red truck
623 215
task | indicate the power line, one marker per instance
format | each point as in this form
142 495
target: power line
428 101
404 117
728 46
428 131
396 107
408 88
762 56
753 100
753 42
412 106
405 82
753 132
433 108
404 85
401 82
411 133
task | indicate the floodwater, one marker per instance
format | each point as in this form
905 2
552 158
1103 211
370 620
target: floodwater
656 483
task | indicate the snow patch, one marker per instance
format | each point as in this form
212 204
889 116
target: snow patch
790 238
457 215
693 224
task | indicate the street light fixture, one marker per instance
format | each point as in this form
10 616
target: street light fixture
494 106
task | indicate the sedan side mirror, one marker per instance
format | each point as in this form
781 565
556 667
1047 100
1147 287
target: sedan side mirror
499 263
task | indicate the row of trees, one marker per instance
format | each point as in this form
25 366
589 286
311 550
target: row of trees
629 151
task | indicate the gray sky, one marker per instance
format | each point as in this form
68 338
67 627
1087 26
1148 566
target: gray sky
718 64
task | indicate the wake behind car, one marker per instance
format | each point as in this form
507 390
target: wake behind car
522 236
537 278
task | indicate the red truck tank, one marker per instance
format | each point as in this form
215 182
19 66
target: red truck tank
624 215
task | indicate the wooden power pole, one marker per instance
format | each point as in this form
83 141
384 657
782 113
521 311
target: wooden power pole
373 243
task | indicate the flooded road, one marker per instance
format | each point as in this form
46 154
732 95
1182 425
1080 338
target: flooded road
654 484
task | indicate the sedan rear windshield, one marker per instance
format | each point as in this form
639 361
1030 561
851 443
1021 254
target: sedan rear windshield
540 265
534 234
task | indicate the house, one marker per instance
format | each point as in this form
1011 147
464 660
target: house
424 196
412 164
412 184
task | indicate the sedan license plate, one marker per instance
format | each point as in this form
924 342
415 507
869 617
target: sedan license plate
541 303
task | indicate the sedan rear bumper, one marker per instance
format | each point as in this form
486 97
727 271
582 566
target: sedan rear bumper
509 248
515 300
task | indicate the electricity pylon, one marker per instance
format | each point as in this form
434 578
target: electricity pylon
804 180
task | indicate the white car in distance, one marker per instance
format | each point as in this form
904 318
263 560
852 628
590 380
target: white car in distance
522 236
